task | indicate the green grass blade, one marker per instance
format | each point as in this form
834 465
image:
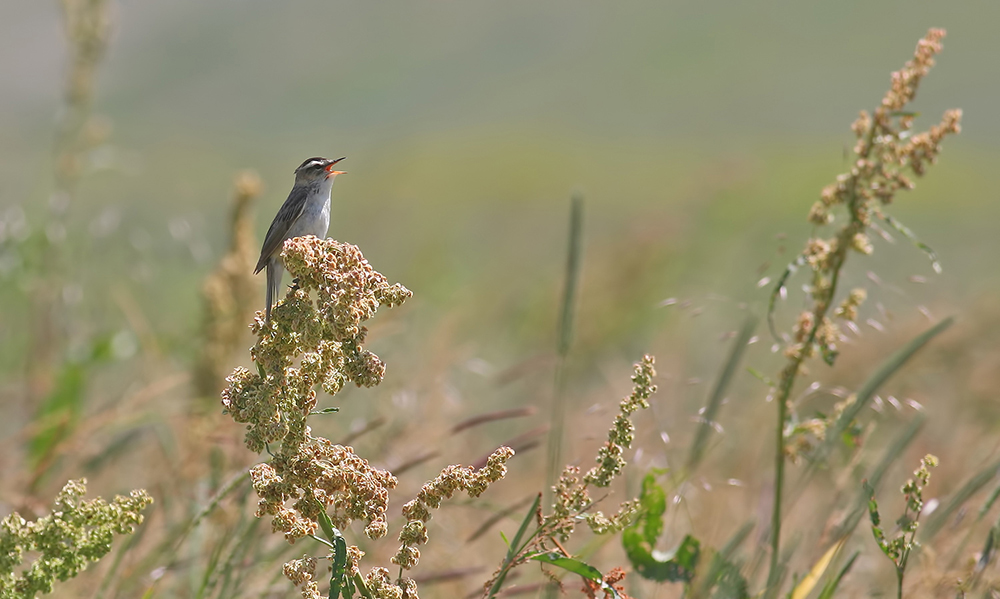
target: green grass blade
514 547
989 502
831 586
565 336
718 392
573 260
895 450
515 543
772 302
889 367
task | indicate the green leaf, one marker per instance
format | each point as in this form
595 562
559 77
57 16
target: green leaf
567 563
653 503
577 567
528 518
730 583
829 354
339 573
325 411
640 538
514 546
877 531
327 525
573 261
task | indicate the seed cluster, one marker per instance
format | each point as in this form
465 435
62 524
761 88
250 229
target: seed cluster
570 496
452 479
309 343
888 155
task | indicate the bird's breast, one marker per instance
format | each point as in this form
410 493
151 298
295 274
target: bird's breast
315 217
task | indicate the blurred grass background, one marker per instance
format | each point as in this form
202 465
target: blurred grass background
699 133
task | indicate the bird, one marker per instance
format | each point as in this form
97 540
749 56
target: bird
306 211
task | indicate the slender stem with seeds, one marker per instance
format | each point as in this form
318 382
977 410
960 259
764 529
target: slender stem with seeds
791 371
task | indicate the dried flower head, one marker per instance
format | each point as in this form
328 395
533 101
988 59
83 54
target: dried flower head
887 154
309 343
452 479
327 476
848 309
571 499
302 573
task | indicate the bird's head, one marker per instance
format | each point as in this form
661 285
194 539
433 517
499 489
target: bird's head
317 169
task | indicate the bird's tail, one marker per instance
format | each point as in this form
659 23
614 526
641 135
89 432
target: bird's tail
274 272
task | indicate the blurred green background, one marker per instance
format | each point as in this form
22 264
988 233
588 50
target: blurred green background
698 134
700 128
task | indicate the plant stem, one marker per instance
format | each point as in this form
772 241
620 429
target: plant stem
821 306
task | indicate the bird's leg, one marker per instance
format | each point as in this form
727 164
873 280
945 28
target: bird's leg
295 285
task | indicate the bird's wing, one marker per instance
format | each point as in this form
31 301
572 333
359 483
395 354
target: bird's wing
290 211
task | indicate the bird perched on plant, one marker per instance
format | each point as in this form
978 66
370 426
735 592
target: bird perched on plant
305 212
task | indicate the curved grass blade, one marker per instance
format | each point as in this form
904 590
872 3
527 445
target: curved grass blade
790 270
831 586
718 392
941 515
806 585
909 234
558 413
881 375
514 547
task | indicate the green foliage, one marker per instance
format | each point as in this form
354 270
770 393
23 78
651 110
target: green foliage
576 566
640 539
515 547
901 546
59 413
76 533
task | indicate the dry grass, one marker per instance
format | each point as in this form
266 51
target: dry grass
123 411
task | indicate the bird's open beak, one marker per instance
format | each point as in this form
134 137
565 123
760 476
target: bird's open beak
332 173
